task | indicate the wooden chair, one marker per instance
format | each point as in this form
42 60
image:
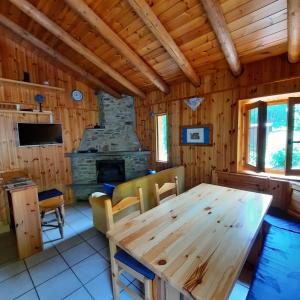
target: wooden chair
52 201
166 187
120 260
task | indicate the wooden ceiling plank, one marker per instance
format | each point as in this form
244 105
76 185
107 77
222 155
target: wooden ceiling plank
56 55
256 16
218 23
145 12
107 33
294 31
43 20
269 30
259 25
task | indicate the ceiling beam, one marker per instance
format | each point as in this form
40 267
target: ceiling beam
144 11
218 23
110 36
293 7
56 55
66 38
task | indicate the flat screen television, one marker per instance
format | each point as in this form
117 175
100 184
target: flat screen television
36 134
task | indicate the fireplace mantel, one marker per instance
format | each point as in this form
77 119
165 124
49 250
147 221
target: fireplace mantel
108 153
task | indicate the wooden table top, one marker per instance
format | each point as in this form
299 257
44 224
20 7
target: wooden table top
198 241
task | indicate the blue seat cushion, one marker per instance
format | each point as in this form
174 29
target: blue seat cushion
277 275
129 261
281 219
49 194
109 189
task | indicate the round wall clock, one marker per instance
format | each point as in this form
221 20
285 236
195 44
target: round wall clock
77 95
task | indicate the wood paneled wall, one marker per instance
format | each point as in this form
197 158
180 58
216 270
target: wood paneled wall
47 165
221 92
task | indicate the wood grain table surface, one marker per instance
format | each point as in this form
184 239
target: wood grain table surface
198 241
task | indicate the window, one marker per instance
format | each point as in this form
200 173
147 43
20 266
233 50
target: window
161 124
271 136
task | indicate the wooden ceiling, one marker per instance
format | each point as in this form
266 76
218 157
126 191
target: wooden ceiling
258 29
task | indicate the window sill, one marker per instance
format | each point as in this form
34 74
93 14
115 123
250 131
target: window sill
271 175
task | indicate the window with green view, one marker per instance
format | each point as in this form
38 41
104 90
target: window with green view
162 138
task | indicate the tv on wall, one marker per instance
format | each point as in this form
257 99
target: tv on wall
36 134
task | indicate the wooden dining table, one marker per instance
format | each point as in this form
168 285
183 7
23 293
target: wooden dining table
197 242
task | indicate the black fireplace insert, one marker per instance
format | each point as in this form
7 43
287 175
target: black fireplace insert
109 171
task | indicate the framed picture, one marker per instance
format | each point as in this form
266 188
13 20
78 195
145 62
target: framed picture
198 135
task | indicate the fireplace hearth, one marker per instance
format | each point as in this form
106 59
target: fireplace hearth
110 171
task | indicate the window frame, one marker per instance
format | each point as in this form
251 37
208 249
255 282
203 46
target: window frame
270 103
156 139
261 136
289 142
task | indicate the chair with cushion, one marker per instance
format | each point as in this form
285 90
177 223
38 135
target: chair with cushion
163 193
52 201
120 260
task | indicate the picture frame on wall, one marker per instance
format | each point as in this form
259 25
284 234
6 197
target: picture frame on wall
197 135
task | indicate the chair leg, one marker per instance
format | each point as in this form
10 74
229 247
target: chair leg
114 271
148 289
59 222
114 278
61 213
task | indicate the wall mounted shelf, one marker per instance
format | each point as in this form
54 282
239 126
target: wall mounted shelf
35 112
33 85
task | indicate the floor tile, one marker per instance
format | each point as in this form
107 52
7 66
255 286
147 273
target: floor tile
105 253
89 233
77 253
73 216
125 296
80 294
82 225
15 286
239 292
100 286
47 243
59 287
47 269
55 237
31 295
98 242
40 257
90 267
68 243
11 269
129 277
138 284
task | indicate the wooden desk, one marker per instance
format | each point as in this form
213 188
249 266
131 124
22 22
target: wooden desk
198 242
23 202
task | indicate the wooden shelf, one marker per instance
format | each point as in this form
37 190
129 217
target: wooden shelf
33 85
35 112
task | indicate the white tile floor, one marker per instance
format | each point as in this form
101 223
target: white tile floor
75 268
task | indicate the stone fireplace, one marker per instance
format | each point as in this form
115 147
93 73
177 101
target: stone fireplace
111 153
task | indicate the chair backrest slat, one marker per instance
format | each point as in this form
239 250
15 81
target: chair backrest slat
166 187
125 203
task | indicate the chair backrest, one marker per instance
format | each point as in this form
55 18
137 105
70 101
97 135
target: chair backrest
166 187
125 203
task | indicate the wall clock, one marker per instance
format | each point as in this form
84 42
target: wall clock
77 95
